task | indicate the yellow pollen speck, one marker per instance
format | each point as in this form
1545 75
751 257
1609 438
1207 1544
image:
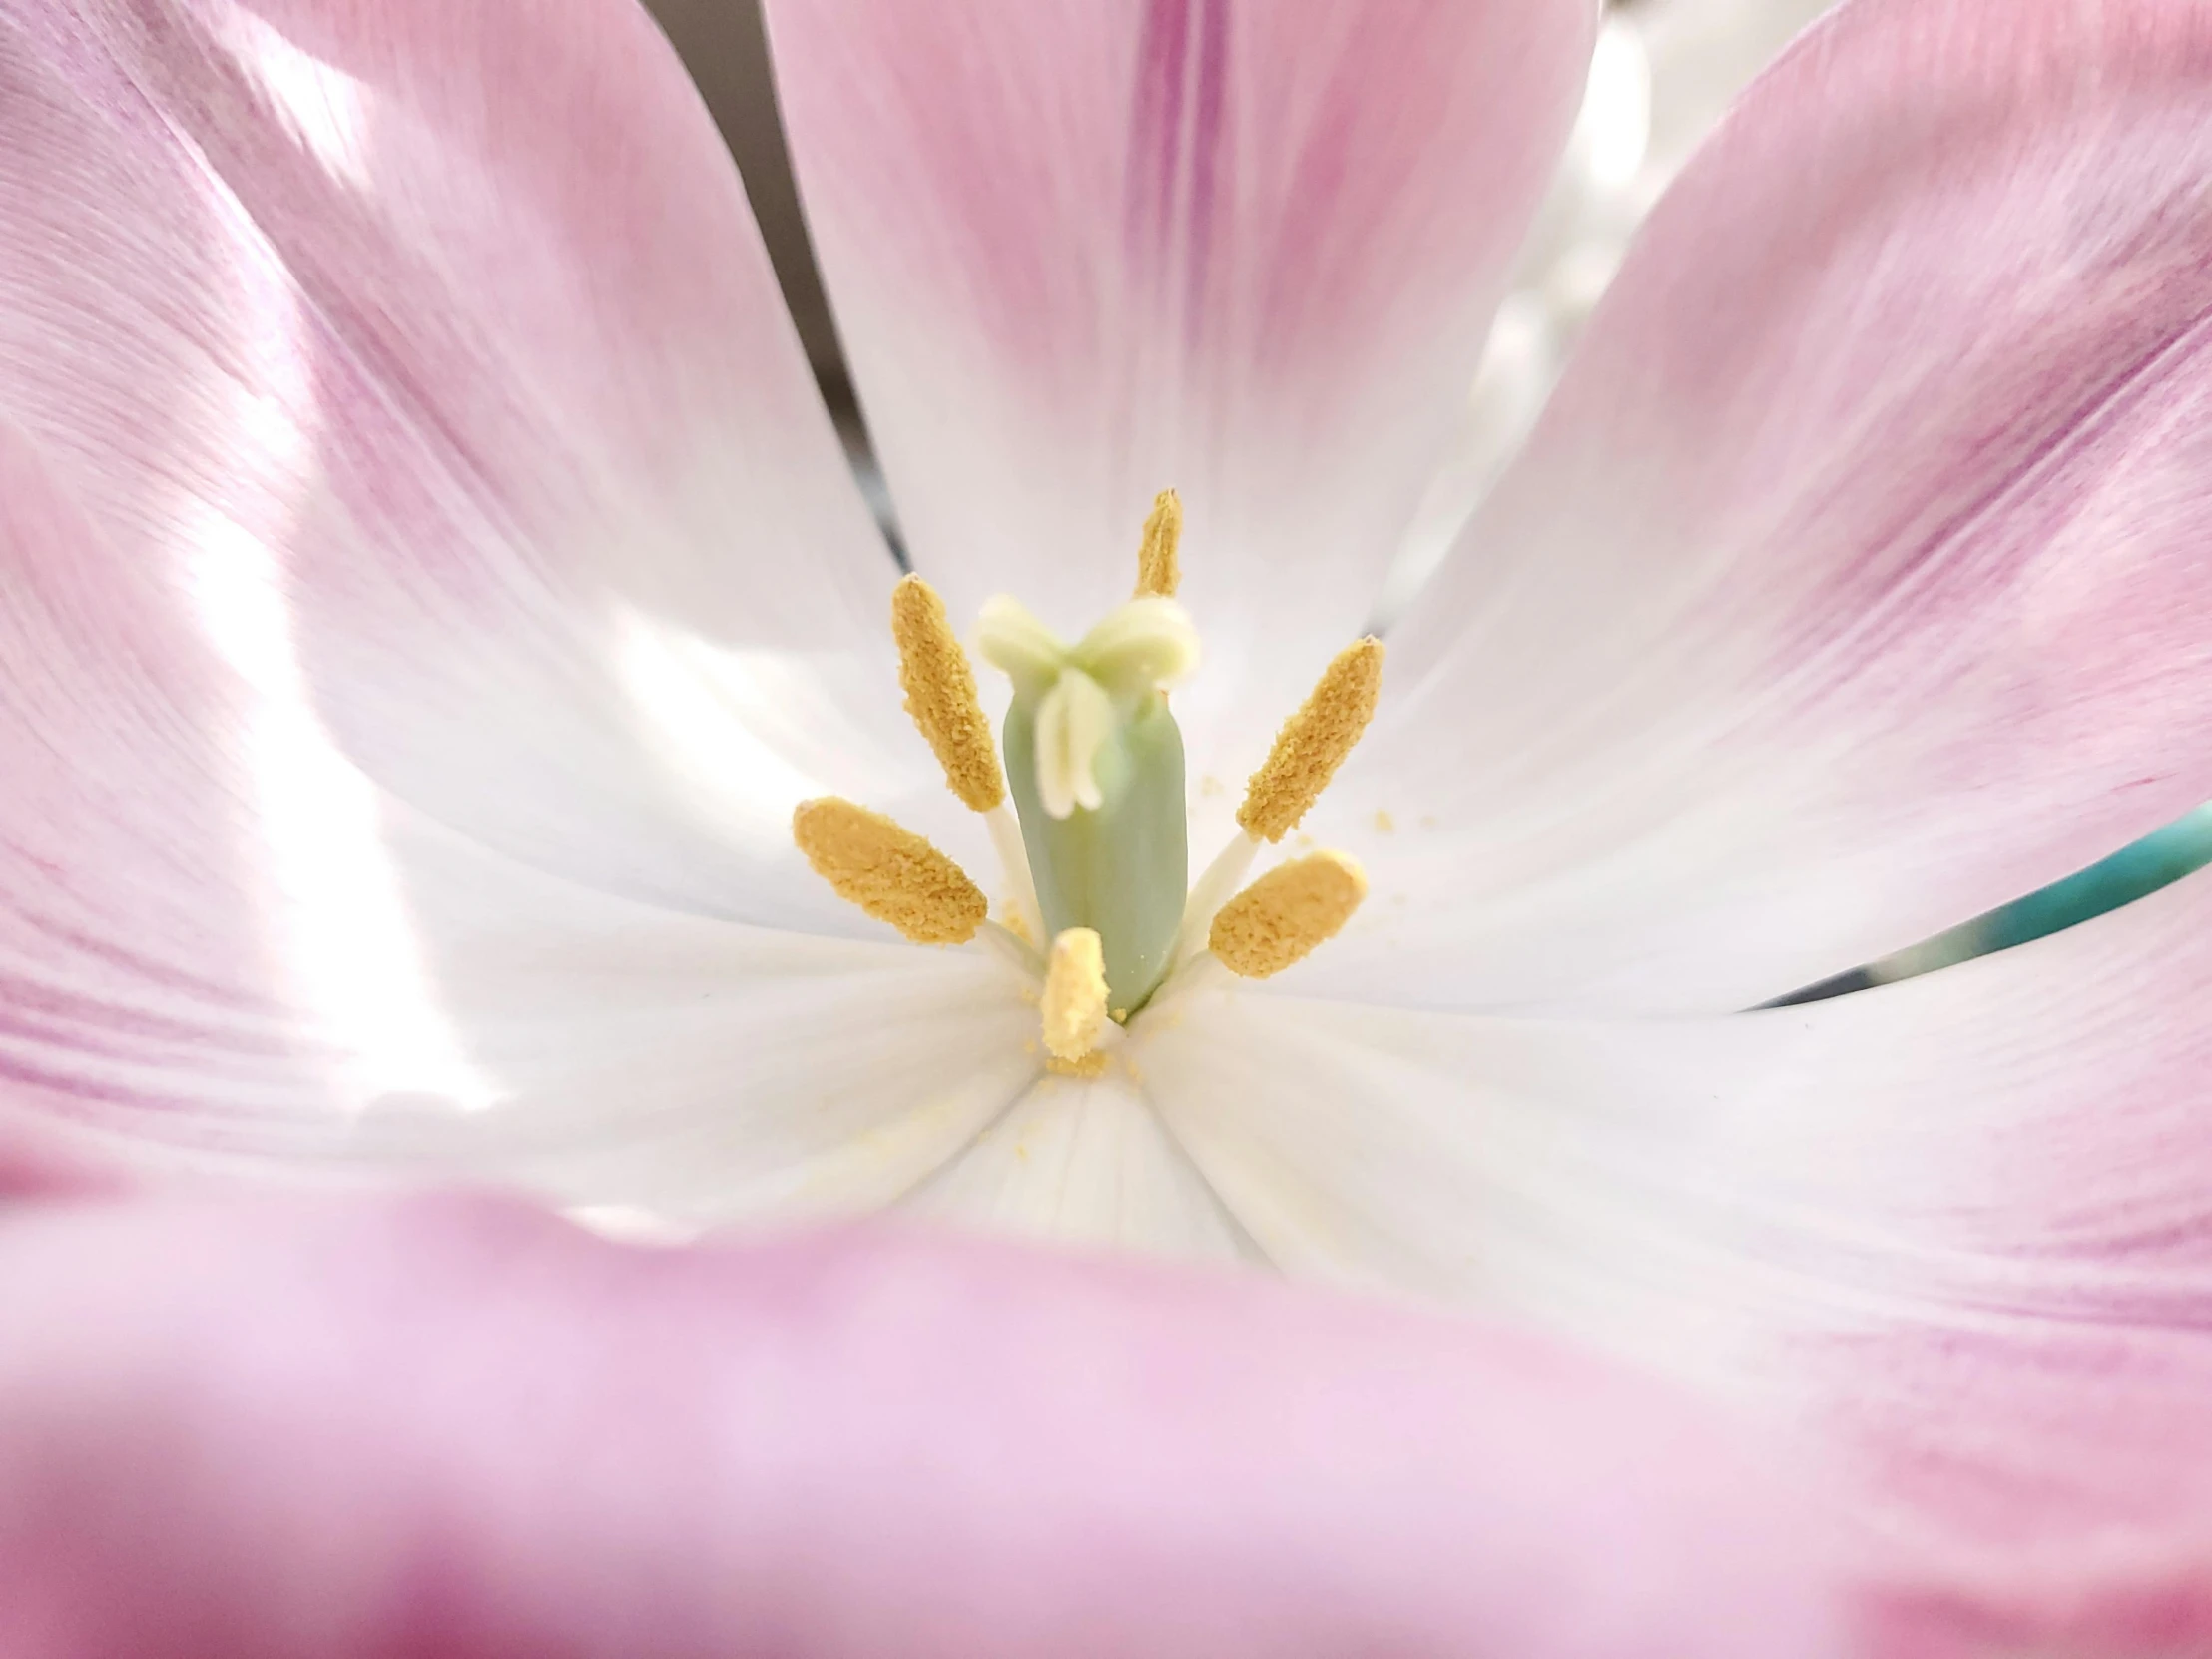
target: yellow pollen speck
890 872
1281 918
1384 823
1159 572
1313 741
941 695
1075 999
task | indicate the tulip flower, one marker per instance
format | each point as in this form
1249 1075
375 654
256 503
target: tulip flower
461 724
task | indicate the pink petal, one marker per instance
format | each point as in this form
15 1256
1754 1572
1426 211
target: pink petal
226 947
453 1427
1859 577
401 450
423 358
1080 252
1957 1230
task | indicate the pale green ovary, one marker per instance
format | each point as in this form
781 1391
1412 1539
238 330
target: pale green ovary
1094 760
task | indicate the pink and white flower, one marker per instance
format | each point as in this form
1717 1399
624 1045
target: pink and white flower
430 583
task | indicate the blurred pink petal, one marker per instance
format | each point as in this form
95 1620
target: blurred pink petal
424 359
1081 252
2123 1602
455 1427
1858 578
1956 1230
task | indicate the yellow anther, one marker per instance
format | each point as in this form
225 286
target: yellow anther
941 695
1284 916
1159 572
1313 741
1074 1004
890 872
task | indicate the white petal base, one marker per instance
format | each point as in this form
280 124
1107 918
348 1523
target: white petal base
1086 1161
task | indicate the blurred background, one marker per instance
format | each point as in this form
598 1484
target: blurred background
1664 73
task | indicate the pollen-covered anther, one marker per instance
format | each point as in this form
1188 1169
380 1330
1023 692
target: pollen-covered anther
1313 741
1074 1003
1286 914
941 695
890 872
1159 569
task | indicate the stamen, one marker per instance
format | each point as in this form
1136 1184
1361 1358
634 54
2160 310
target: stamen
1024 916
1159 572
1074 1003
941 695
1313 741
1286 914
1210 892
888 871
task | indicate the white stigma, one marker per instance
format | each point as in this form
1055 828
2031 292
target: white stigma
1140 646
1083 693
1012 640
1074 720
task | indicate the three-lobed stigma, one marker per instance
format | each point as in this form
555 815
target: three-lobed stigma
1095 843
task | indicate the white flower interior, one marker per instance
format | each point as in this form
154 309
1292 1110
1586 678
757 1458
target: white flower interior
1093 762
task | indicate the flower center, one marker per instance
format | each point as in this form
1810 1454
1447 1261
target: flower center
1096 845
1094 760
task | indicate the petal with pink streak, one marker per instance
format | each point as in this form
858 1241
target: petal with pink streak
1858 578
426 355
1957 1229
1245 247
225 948
458 1428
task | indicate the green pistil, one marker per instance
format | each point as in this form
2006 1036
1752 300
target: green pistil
1122 867
1094 761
